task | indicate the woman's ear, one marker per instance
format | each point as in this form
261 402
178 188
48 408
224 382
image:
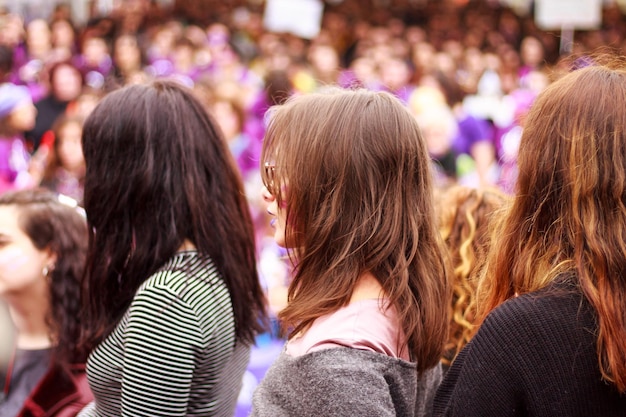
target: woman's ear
51 259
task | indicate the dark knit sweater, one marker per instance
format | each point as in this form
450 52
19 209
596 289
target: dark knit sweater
535 355
344 382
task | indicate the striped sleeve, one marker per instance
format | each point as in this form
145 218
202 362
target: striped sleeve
162 341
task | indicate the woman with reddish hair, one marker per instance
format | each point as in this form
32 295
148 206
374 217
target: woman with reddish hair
552 301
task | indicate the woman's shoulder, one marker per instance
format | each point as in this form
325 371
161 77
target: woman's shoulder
367 325
188 280
182 270
340 381
561 298
552 319
356 366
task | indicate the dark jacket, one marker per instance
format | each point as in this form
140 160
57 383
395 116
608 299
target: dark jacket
62 392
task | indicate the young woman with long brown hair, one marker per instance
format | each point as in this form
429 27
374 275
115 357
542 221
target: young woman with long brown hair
348 180
552 302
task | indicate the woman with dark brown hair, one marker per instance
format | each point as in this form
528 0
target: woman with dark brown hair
348 180
43 245
173 301
552 301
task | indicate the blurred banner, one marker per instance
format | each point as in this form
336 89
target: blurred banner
571 14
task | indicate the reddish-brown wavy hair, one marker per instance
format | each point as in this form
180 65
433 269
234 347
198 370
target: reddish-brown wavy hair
569 214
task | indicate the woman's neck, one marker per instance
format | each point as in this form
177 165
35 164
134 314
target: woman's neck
367 288
187 246
28 314
76 171
7 132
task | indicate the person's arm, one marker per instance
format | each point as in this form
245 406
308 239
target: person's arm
161 341
347 389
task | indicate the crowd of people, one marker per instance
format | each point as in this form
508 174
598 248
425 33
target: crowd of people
424 206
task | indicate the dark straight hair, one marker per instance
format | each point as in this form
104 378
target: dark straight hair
159 172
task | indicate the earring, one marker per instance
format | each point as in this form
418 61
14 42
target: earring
46 271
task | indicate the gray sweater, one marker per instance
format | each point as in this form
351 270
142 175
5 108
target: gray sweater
344 382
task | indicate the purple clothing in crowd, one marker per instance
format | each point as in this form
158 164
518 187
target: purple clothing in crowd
14 161
471 131
247 153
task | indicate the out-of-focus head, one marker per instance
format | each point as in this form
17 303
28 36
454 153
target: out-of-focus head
439 127
324 58
395 74
95 50
127 54
532 51
63 33
11 29
38 34
17 112
66 81
54 227
68 143
44 243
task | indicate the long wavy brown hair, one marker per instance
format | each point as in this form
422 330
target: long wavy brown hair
569 214
465 215
359 199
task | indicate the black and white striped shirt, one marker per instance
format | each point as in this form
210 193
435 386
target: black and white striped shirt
174 352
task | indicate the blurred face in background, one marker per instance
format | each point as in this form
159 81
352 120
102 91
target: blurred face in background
227 118
38 37
70 148
62 34
21 263
22 118
66 83
127 56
